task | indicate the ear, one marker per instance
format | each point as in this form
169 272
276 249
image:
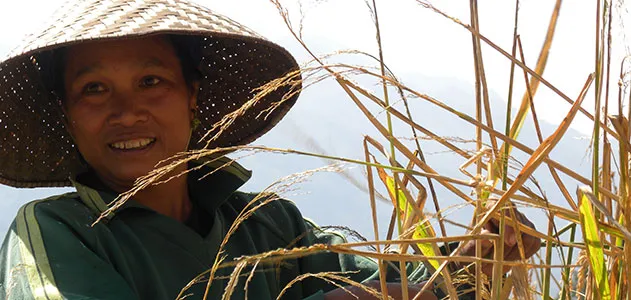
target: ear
192 102
67 123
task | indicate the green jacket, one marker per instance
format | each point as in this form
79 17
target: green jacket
52 252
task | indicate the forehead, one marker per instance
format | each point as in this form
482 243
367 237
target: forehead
154 49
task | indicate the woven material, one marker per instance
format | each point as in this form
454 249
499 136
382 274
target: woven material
35 149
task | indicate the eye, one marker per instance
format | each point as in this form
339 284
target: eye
93 88
150 81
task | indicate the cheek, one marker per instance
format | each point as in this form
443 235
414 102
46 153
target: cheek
174 120
177 122
172 106
84 124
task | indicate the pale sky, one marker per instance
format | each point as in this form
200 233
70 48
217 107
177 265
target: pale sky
415 40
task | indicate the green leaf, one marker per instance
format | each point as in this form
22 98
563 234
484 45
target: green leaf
400 201
589 226
425 230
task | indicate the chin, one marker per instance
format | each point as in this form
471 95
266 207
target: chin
124 172
129 173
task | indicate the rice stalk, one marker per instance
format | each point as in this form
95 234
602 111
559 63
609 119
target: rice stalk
605 215
531 72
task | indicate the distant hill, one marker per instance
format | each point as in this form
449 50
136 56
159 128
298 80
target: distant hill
326 121
324 116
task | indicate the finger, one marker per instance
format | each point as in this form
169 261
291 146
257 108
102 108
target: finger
504 210
510 254
523 219
519 219
469 248
513 253
530 244
495 222
510 238
492 226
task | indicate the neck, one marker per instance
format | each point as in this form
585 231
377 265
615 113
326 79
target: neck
168 198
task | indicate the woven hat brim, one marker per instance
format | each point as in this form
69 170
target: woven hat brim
36 151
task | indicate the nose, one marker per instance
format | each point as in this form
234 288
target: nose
127 110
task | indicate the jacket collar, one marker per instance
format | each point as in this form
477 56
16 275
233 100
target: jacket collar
211 182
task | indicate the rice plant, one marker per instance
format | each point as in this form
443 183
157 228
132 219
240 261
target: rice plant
587 230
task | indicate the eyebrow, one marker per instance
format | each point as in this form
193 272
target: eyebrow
149 63
153 62
86 70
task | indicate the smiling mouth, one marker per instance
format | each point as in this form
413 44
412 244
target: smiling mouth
135 144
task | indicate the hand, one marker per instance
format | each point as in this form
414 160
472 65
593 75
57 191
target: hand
511 248
394 291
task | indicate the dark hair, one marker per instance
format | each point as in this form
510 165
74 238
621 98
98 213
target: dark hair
52 64
188 51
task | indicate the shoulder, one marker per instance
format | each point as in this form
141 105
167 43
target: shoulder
62 208
283 217
269 206
51 204
278 215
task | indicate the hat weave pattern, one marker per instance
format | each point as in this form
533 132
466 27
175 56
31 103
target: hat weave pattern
36 150
85 20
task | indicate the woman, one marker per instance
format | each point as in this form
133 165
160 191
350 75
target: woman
100 98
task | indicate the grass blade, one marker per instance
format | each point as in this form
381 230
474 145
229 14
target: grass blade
425 230
591 235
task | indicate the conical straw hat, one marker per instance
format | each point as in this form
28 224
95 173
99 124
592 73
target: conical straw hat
36 150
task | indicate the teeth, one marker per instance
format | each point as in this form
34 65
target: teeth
132 144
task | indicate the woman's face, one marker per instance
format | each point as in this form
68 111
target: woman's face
128 105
